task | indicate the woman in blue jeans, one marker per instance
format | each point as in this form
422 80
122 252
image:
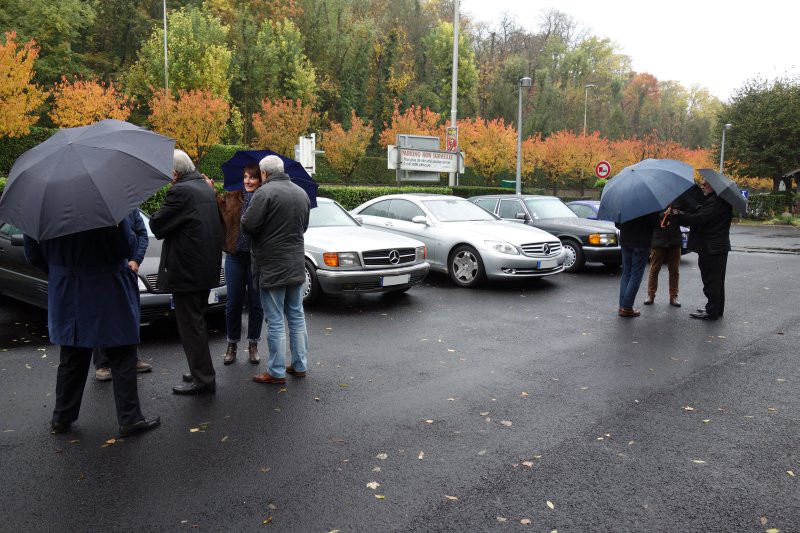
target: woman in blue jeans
635 238
238 270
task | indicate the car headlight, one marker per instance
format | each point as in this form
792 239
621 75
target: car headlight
142 286
602 239
334 259
502 247
422 253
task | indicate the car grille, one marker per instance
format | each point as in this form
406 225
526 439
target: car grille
152 280
537 249
374 285
384 257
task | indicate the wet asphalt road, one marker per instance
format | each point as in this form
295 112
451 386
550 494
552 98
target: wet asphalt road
487 404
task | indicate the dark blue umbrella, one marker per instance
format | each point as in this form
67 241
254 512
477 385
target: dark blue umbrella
646 187
233 171
725 189
85 178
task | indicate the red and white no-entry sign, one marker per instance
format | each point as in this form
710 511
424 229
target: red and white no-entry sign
602 169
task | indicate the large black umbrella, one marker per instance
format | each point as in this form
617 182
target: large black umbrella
85 178
725 189
646 187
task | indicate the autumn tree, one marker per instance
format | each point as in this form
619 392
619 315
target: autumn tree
279 123
19 98
79 103
413 121
489 146
562 157
345 148
195 119
532 156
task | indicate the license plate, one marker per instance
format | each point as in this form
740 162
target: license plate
213 297
388 281
546 263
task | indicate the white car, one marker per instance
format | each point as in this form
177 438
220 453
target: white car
464 240
344 257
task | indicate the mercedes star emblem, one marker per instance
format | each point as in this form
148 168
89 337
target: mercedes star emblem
546 249
394 257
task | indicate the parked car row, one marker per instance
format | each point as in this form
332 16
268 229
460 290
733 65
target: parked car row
390 243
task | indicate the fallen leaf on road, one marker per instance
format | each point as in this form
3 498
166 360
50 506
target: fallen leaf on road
525 521
501 519
451 399
524 393
224 438
73 441
334 531
194 430
763 520
550 504
773 530
284 389
599 438
316 398
484 413
429 421
529 464
381 456
421 456
482 452
267 521
506 423
584 388
28 366
111 441
688 408
450 497
771 409
343 385
373 485
376 469
698 461
706 421
272 507
380 497
265 469
450 350
791 473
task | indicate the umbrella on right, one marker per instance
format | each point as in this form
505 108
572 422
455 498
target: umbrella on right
725 189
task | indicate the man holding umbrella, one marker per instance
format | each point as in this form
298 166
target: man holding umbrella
710 226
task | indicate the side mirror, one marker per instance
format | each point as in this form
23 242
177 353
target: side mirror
521 216
420 219
17 240
359 219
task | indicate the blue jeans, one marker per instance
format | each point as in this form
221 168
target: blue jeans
281 305
239 280
633 262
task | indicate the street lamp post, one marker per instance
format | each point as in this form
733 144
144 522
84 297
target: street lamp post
585 102
454 82
166 68
722 147
523 82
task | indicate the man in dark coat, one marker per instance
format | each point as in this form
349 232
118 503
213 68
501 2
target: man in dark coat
92 301
710 228
276 220
635 237
190 224
138 249
665 248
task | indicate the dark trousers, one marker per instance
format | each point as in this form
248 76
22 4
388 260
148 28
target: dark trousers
658 256
239 279
712 272
100 358
72 373
190 316
633 262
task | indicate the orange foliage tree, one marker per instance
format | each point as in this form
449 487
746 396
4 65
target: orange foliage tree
532 156
413 121
490 146
345 148
19 98
79 103
562 157
195 119
279 123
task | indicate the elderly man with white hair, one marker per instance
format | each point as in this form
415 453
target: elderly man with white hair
276 220
190 224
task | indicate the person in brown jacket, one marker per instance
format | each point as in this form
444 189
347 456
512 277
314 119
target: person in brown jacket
238 270
666 248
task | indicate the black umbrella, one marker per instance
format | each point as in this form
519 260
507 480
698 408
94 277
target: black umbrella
85 178
725 189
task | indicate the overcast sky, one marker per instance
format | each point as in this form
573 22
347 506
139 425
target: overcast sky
717 44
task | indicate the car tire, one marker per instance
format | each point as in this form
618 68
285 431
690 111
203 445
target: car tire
575 258
465 266
395 292
311 286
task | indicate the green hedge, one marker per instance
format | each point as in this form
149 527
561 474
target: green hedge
217 154
351 197
13 147
768 206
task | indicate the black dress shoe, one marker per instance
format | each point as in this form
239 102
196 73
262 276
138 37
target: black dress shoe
702 316
187 378
59 427
194 388
145 424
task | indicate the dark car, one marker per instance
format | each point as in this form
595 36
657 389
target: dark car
21 281
588 209
583 240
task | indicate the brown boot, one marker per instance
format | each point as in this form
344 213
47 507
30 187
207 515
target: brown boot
253 349
230 355
673 301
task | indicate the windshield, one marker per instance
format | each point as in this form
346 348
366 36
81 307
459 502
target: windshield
329 214
457 210
549 208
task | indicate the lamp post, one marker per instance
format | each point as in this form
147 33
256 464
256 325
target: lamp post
585 102
523 82
722 148
454 88
166 68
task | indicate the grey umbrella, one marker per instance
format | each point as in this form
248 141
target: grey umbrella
85 178
725 189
